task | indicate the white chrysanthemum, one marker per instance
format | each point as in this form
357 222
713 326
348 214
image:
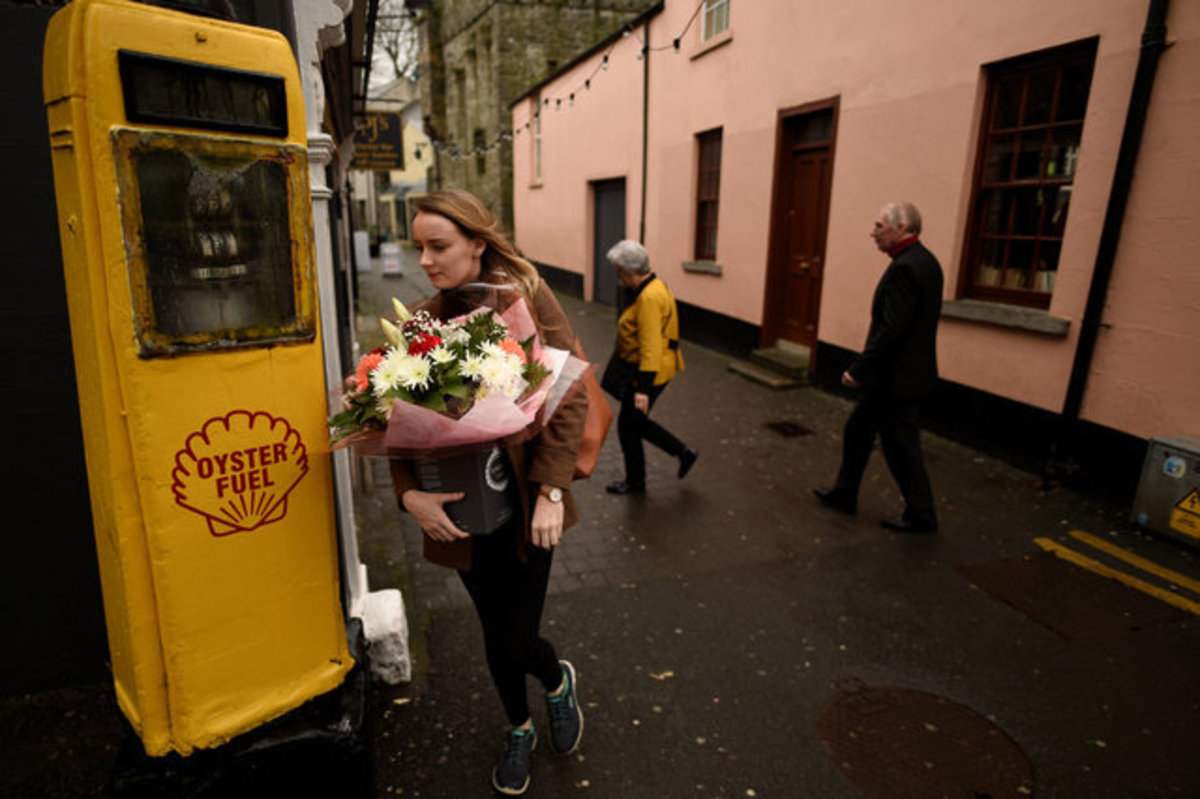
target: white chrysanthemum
456 335
491 349
500 374
414 372
440 355
471 367
387 375
385 406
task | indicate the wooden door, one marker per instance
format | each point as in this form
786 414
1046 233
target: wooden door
608 227
800 220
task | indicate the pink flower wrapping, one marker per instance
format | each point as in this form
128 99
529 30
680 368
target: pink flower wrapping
416 431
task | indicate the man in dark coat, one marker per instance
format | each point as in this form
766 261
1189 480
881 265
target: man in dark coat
898 367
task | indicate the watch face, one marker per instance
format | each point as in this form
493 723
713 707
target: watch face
554 495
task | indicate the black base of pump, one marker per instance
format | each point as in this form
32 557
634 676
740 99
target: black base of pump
319 749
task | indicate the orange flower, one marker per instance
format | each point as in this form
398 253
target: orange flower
368 362
513 346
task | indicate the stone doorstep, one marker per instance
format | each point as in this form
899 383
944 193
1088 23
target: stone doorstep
785 358
767 377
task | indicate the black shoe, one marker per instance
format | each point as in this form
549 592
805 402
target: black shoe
903 525
621 487
511 774
687 459
833 498
566 719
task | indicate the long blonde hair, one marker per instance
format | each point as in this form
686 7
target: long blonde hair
475 221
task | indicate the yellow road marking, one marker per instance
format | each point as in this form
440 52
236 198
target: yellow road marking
1085 562
1135 560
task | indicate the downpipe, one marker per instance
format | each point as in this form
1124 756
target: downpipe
1062 463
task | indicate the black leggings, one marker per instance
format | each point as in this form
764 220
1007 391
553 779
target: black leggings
508 597
633 426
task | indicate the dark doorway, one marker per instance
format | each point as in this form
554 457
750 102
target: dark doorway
799 223
608 227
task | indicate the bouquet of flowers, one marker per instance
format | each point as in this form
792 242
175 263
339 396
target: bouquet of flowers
445 394
443 385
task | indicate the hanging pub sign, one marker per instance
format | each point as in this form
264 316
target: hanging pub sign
378 142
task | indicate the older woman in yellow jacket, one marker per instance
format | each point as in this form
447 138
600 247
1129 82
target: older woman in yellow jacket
648 344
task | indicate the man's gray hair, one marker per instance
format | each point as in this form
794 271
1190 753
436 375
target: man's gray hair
630 257
904 213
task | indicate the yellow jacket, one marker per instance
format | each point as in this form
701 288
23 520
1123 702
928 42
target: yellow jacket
648 334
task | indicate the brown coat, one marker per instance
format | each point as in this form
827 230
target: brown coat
547 459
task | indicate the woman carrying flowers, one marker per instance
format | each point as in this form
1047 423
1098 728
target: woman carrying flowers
506 573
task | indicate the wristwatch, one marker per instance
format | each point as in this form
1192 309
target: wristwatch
551 493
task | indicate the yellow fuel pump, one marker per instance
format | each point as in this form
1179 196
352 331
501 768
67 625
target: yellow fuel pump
182 185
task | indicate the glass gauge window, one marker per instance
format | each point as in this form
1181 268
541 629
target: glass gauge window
211 224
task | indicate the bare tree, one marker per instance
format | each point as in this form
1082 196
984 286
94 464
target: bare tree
396 38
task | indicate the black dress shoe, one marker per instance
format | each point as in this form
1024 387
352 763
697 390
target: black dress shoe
833 498
621 487
687 459
903 525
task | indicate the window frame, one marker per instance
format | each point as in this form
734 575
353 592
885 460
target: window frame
983 187
715 12
706 223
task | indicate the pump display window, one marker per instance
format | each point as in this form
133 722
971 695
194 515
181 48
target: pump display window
215 258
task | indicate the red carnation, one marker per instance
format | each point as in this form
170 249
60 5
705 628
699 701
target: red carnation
423 343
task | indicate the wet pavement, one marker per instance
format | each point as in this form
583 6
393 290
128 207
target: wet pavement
713 619
725 625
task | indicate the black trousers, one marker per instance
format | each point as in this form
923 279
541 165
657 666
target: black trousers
509 596
896 423
633 426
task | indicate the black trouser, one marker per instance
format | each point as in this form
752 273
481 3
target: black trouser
896 424
633 426
508 597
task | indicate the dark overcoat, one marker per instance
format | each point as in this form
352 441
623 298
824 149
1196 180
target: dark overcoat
899 361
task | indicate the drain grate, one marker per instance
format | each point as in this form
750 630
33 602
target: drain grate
897 743
788 429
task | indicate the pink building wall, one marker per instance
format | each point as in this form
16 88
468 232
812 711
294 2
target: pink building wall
597 138
1146 375
910 89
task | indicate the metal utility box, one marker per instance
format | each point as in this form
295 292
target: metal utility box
181 178
1168 495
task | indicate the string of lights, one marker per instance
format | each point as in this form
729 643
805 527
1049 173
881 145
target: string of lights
456 152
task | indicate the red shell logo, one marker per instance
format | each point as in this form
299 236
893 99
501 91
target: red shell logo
238 469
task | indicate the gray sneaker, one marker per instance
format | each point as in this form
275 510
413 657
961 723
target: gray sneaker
511 774
566 719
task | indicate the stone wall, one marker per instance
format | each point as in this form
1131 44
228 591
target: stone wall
478 56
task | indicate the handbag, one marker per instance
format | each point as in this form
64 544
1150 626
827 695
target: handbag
595 427
618 375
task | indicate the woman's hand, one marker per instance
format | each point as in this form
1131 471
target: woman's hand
547 523
641 402
426 508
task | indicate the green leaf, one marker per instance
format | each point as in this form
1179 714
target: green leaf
457 388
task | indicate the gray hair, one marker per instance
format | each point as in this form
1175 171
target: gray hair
630 257
903 213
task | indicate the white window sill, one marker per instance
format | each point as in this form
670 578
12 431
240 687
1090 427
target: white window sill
1002 315
702 267
707 46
